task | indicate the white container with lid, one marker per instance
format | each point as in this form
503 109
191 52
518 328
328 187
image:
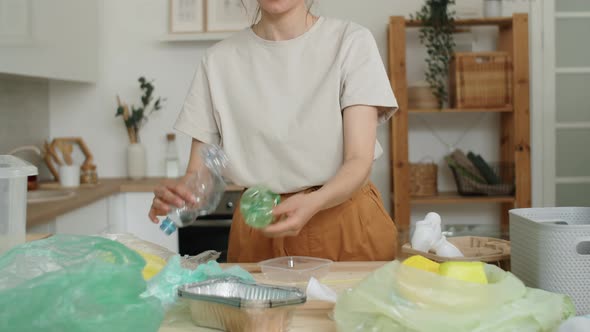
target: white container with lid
13 200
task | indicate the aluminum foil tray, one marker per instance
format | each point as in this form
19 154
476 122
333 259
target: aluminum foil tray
230 304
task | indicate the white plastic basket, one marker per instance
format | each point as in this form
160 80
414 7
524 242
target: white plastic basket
551 251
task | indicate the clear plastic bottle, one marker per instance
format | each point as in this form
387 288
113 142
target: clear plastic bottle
256 206
207 186
172 164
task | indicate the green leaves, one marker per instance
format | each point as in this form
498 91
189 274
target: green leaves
436 34
140 114
158 105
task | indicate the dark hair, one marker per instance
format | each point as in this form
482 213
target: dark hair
309 4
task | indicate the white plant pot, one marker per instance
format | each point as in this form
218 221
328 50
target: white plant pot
492 8
136 161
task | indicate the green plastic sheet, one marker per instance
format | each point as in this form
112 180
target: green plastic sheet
75 283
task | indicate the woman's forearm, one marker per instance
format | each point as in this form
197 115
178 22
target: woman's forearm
360 133
194 162
353 174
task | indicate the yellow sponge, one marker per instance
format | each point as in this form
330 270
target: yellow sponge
422 263
466 271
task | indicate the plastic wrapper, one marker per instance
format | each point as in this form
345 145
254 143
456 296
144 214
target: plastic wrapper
164 285
75 283
156 256
402 298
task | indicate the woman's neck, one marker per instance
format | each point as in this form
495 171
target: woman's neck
285 26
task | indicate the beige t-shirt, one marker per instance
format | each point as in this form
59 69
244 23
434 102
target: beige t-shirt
276 106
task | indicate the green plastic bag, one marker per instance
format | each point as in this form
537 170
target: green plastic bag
75 283
164 285
402 298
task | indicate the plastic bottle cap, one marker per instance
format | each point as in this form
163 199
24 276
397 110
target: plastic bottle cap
167 226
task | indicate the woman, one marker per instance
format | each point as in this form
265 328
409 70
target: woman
295 101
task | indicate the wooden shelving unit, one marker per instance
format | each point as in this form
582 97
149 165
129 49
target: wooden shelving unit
515 125
454 198
472 22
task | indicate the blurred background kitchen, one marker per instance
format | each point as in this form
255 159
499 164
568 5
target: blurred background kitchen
63 63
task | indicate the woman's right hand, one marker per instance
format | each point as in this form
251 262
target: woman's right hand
168 195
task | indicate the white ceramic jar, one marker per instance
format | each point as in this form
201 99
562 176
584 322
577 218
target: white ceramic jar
136 161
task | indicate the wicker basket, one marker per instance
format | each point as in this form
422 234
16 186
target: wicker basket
423 179
480 80
474 248
421 97
467 186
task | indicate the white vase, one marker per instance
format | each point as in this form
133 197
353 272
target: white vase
136 161
492 8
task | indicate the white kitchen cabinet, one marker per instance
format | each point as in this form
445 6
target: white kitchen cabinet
119 213
136 221
89 220
55 39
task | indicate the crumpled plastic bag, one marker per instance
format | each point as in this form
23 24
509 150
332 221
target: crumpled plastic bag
164 285
75 283
157 256
402 298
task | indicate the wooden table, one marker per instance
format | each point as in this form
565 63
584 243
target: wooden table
309 317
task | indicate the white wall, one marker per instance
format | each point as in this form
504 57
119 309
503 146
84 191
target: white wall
129 48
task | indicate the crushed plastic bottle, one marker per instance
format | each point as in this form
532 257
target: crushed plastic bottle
256 206
207 186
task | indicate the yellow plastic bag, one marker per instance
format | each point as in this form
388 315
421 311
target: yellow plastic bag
397 297
153 265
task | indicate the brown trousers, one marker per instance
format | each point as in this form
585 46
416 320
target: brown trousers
357 230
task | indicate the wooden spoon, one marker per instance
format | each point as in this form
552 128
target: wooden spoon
66 150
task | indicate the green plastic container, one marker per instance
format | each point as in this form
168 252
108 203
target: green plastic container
256 206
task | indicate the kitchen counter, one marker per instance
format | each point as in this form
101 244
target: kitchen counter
39 213
309 317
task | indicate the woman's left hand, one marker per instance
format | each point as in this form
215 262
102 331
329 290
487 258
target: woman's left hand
292 214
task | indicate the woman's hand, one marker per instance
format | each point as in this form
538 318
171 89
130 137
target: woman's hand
293 214
168 195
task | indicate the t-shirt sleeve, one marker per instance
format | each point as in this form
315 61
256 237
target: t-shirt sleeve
197 117
364 79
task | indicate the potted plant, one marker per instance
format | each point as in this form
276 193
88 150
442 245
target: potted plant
436 34
134 120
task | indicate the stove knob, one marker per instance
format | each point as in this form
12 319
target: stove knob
230 205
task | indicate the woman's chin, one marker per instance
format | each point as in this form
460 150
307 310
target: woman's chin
278 7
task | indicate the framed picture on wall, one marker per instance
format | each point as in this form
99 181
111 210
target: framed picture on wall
229 15
187 16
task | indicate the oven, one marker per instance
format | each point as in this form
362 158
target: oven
210 232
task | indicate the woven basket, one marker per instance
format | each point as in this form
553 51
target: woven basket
421 97
480 80
467 186
474 248
423 179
